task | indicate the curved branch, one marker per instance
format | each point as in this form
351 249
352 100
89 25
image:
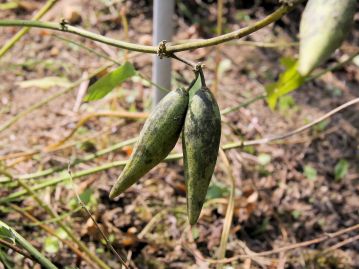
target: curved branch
64 27
170 49
276 15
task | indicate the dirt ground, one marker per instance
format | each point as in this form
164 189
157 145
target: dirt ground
286 192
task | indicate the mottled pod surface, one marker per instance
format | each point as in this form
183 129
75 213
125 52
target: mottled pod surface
157 138
323 27
201 137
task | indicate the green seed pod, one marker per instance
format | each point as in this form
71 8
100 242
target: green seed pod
156 140
323 27
201 137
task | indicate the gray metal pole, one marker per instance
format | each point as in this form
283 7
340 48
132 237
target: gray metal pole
162 30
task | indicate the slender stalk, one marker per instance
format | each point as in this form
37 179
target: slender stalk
244 104
83 206
64 27
48 5
28 247
86 158
269 139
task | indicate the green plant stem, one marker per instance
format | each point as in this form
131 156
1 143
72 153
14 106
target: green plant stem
244 104
47 100
48 5
86 158
66 228
263 44
83 206
170 49
64 27
28 247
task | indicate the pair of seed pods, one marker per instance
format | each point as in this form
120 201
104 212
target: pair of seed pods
200 121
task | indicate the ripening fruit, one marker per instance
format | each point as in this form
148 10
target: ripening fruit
201 137
323 27
156 140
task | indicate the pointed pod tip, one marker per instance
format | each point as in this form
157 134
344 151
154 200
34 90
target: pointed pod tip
113 194
193 218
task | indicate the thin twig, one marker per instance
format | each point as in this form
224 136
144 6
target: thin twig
281 249
82 204
183 60
85 158
342 243
294 132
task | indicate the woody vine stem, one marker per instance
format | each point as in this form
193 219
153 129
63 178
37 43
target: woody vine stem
166 50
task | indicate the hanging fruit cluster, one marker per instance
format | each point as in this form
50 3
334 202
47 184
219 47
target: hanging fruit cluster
200 121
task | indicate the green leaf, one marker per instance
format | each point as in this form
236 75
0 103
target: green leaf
107 83
264 159
51 244
216 190
287 62
310 172
341 169
288 81
6 233
285 103
45 83
296 214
